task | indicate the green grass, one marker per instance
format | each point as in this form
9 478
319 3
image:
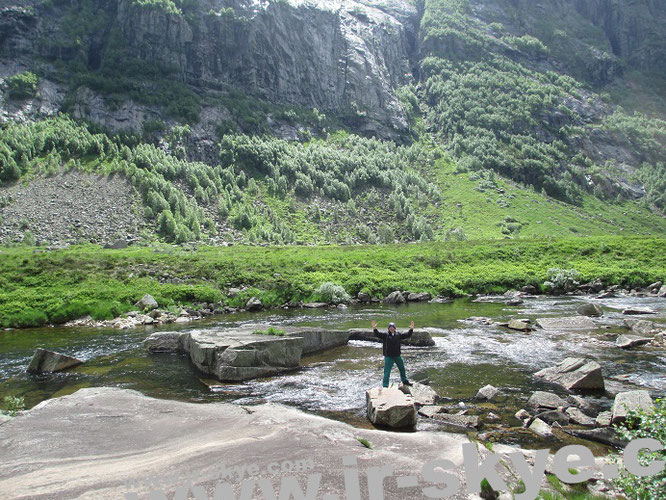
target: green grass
364 442
57 286
271 331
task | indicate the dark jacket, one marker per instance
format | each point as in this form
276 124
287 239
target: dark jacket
391 343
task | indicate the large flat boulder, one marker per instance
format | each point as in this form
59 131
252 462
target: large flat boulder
392 408
420 338
630 401
44 361
423 395
631 341
541 400
237 354
574 373
110 443
566 323
641 326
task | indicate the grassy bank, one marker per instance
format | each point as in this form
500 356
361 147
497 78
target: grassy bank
37 288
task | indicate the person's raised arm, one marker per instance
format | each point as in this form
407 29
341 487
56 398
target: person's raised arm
409 333
377 332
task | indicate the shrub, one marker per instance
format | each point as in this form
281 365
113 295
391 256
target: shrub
640 425
272 331
332 293
561 280
385 234
22 85
14 405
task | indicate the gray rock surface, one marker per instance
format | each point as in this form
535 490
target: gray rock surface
97 441
521 325
395 298
236 354
630 401
44 361
591 310
147 302
419 297
254 304
566 323
392 408
579 418
638 311
545 400
487 393
541 428
640 326
423 395
454 422
631 341
574 373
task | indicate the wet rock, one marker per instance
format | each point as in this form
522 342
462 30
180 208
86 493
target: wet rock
523 415
566 323
422 395
166 342
574 373
491 417
487 393
254 305
315 339
654 287
545 400
315 305
441 300
579 418
420 337
552 416
419 297
529 290
638 311
147 303
44 361
390 408
481 320
591 310
604 419
430 411
630 401
457 422
631 341
580 403
395 298
541 428
521 325
605 436
364 297
640 326
515 302
662 292
607 295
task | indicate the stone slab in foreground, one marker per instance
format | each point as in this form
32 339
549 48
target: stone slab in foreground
392 408
574 373
95 442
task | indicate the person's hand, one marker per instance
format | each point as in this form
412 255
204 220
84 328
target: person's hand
411 325
374 324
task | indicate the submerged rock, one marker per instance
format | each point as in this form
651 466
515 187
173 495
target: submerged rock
44 361
630 401
392 408
566 323
589 309
574 373
631 341
638 311
605 436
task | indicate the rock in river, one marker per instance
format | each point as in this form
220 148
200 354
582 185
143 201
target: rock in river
49 361
388 407
541 428
632 400
574 373
254 304
423 395
590 309
395 298
641 326
545 401
487 393
638 311
566 323
521 325
631 341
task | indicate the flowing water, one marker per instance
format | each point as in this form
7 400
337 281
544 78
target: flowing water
466 357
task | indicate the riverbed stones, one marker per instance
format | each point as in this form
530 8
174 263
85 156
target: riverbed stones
541 428
630 401
422 394
391 408
638 311
165 342
566 323
521 325
580 403
147 303
662 292
487 393
44 361
254 305
420 337
395 298
456 422
640 326
591 310
429 411
574 373
579 418
364 297
604 419
541 400
631 341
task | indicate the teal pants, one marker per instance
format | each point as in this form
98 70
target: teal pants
388 366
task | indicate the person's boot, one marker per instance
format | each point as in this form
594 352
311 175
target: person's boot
407 383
